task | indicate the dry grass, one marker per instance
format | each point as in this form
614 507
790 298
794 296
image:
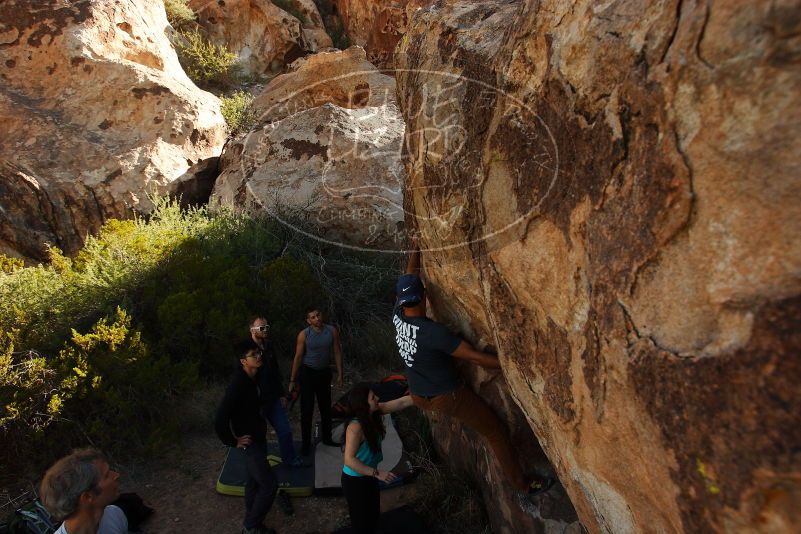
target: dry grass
449 502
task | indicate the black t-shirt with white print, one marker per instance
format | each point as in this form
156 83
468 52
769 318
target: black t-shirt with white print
426 347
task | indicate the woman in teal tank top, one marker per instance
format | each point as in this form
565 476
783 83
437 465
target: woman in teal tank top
360 474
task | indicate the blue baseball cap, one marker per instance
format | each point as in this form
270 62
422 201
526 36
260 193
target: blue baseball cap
409 289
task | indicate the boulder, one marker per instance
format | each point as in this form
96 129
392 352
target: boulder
344 78
331 172
261 34
609 194
97 113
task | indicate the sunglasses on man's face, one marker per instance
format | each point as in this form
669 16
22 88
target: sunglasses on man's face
262 328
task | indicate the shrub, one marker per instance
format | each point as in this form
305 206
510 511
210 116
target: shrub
179 14
205 63
105 387
237 112
9 265
30 389
92 347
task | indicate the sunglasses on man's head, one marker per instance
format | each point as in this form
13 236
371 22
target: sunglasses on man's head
262 328
256 354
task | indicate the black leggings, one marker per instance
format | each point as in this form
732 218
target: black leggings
364 503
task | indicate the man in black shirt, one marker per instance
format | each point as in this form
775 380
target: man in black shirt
239 424
428 349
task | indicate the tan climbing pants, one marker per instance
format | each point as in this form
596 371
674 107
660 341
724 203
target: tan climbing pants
473 412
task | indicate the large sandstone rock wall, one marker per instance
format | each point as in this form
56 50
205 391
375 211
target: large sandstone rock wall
96 113
610 194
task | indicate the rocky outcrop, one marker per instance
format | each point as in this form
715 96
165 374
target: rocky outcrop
375 25
609 194
331 172
325 155
315 37
96 113
344 78
264 36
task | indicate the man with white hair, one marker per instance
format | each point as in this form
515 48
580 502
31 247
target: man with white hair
78 490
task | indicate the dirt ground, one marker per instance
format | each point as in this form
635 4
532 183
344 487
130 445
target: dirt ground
180 485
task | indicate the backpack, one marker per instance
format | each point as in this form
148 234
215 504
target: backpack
30 518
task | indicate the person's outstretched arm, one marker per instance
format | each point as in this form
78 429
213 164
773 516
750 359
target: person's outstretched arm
466 352
300 347
413 262
338 356
395 405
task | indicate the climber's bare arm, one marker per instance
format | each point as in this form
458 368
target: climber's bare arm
466 352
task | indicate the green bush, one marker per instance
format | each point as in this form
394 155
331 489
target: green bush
105 387
92 348
9 265
237 112
179 14
205 63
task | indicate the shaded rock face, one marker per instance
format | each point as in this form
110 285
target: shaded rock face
463 450
261 34
193 188
96 114
609 194
344 78
376 25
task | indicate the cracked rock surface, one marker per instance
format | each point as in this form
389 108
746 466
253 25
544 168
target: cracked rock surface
609 194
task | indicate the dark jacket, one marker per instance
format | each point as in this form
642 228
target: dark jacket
238 414
271 385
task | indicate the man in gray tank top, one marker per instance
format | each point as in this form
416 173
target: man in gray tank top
312 365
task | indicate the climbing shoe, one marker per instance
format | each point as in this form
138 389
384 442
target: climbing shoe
540 485
285 503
